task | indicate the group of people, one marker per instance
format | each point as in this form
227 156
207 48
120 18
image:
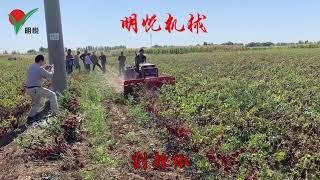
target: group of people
92 60
89 60
37 72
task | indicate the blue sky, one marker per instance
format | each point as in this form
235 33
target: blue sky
97 22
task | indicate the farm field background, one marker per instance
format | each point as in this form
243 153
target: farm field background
260 106
263 104
13 102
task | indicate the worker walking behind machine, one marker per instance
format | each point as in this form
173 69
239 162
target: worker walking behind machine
77 61
103 59
95 62
122 62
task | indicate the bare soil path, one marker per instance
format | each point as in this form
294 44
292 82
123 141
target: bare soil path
130 136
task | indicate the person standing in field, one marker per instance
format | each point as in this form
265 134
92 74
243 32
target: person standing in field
95 62
77 61
140 58
69 62
88 62
122 63
103 59
35 76
83 56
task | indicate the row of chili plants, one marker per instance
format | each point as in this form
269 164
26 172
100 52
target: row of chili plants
249 114
62 131
181 138
13 102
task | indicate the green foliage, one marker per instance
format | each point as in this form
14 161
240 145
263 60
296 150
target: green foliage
266 101
137 112
99 137
204 165
230 145
258 141
182 49
131 138
13 103
280 156
13 76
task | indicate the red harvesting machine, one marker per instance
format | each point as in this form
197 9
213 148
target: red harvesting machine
146 75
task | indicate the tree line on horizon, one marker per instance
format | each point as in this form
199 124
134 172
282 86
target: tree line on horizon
122 47
262 44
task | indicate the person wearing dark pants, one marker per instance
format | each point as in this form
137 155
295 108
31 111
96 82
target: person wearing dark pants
83 56
87 62
77 61
94 60
140 59
103 59
122 62
69 62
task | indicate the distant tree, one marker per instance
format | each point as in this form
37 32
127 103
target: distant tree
251 44
259 44
229 43
31 51
42 49
5 52
267 44
239 44
205 43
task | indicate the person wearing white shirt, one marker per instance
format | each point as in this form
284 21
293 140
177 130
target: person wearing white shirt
36 74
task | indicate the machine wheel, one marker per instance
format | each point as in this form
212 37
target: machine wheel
127 92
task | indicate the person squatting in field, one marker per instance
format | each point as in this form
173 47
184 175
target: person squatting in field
122 62
95 62
69 62
103 59
35 76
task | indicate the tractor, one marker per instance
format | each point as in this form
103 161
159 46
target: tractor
145 75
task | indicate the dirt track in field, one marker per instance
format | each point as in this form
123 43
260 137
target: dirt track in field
114 80
144 140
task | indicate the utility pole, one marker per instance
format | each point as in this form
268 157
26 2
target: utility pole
55 44
151 39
